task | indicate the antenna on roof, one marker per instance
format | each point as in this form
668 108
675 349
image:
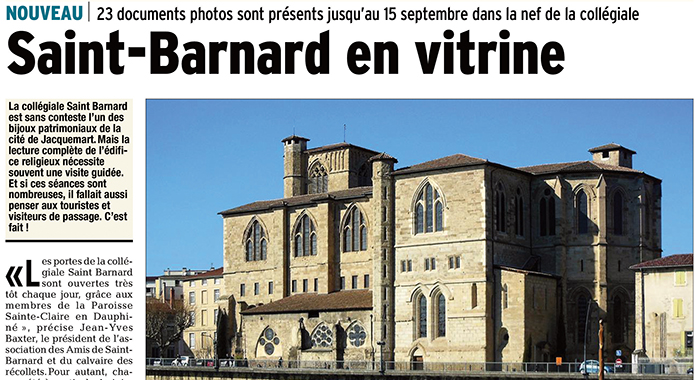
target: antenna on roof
344 129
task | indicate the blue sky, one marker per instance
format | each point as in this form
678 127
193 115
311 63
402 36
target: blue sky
206 156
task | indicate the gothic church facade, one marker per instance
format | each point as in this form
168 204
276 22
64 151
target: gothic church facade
458 259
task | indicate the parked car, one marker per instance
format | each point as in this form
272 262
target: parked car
592 366
205 363
182 361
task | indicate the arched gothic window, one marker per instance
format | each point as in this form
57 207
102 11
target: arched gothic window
440 315
305 238
256 243
519 208
617 214
318 179
582 212
428 210
421 316
355 231
547 214
322 337
500 208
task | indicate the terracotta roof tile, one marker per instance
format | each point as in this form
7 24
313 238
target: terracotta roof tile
680 260
383 156
211 273
577 166
305 302
453 161
610 146
337 146
294 137
354 192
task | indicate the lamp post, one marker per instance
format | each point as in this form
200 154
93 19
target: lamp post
381 344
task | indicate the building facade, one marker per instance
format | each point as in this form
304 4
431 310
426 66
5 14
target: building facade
463 259
664 307
202 295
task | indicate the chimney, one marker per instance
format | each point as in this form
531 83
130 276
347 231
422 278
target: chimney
613 154
295 162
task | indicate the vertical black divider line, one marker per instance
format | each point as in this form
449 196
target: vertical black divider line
88 11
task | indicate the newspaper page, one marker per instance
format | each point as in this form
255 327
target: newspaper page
462 188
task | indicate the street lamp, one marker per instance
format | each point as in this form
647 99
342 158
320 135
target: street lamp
381 344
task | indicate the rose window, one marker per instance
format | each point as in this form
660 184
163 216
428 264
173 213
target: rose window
269 340
357 335
323 337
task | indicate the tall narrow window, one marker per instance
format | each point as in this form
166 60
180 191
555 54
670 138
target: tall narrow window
543 217
355 231
504 297
519 228
551 216
441 315
318 179
419 218
475 296
422 317
256 243
500 208
305 237
547 214
428 210
582 212
617 213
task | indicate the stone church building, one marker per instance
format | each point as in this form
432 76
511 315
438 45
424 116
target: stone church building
457 259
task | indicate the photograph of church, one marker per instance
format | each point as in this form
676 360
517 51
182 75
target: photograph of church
457 259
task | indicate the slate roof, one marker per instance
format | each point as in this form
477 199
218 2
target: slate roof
453 161
305 302
680 260
354 192
610 146
212 273
577 166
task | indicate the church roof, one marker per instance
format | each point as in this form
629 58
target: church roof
673 261
453 161
574 167
611 146
355 192
341 145
305 302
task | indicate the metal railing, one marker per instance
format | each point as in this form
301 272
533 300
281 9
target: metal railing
667 367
